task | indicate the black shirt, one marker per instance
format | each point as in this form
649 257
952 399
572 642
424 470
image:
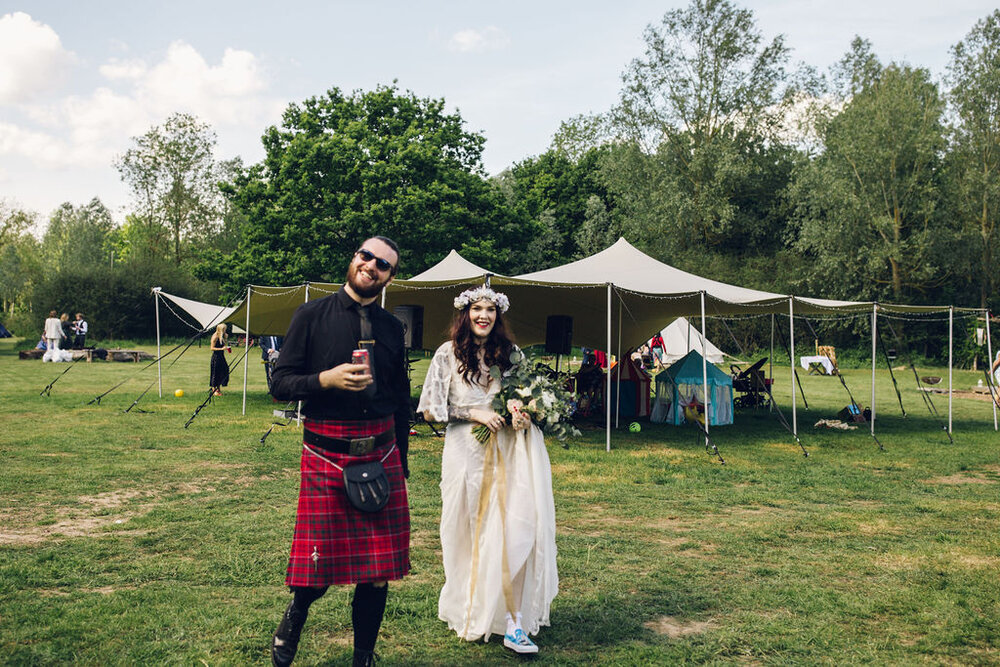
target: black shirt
323 334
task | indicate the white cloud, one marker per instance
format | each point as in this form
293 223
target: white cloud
123 69
472 40
38 146
32 58
227 93
89 130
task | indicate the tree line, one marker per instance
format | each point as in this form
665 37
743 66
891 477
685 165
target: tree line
870 181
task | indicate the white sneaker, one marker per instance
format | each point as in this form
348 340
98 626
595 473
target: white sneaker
519 642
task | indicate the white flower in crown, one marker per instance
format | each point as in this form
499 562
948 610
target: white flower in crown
482 293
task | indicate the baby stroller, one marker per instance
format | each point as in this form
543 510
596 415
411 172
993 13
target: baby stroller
751 385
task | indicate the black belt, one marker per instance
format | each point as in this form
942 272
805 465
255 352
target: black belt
352 446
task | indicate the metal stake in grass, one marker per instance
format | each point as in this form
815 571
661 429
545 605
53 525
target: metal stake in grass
892 376
858 408
925 393
139 398
186 345
48 389
710 446
273 424
211 392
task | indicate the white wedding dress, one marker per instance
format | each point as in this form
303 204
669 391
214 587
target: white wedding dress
473 601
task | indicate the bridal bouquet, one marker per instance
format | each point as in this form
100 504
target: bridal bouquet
527 394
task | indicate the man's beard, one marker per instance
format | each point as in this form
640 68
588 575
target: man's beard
361 290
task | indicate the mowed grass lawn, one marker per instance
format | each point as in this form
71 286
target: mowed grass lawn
128 539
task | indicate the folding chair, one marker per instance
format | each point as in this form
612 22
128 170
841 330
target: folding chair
830 352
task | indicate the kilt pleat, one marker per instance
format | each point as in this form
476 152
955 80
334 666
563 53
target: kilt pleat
335 543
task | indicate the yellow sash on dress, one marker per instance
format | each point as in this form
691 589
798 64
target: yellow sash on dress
493 460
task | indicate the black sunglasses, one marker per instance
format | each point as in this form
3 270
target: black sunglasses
367 256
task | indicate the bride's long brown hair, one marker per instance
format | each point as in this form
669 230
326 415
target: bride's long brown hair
496 349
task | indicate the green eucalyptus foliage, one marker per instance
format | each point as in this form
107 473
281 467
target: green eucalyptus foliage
538 393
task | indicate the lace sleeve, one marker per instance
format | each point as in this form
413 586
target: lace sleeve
434 396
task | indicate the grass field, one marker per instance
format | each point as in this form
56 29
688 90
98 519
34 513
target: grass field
128 539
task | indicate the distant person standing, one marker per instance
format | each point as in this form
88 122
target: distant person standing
80 329
53 331
218 367
67 328
657 347
270 350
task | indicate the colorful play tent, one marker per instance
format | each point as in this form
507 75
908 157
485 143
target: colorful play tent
635 388
682 385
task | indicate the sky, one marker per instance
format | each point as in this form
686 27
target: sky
79 80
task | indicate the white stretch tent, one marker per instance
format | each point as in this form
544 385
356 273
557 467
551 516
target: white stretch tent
618 295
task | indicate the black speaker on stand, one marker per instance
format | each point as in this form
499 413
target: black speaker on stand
558 336
412 318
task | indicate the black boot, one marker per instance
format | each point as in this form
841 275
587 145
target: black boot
285 642
364 658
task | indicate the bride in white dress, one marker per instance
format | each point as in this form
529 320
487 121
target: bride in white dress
498 516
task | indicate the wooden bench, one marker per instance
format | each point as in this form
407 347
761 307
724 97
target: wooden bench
129 355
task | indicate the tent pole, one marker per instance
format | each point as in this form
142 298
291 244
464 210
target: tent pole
704 370
989 351
618 387
159 373
951 346
874 333
246 357
791 363
770 358
607 388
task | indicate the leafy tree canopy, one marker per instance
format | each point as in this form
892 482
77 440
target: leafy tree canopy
554 191
77 236
174 179
974 161
868 205
343 167
697 128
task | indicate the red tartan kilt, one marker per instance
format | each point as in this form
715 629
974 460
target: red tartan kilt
335 543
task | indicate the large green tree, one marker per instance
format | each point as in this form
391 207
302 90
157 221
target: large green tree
342 167
174 178
554 191
697 129
20 257
77 237
974 78
866 208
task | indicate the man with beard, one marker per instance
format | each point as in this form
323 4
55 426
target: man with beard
355 413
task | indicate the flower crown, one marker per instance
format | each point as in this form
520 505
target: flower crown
470 296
